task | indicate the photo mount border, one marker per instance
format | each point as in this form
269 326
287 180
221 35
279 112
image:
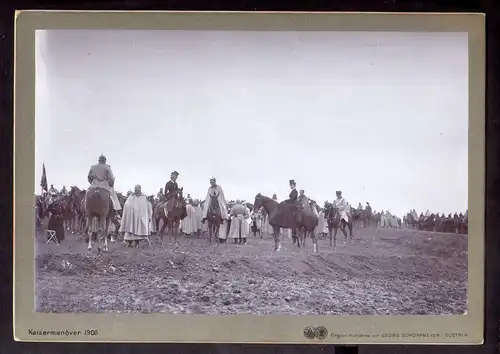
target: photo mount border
118 327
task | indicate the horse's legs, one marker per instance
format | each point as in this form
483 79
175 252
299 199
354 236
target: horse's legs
335 229
342 228
175 227
216 233
163 227
106 227
210 226
315 242
296 237
89 233
100 233
276 236
330 235
349 225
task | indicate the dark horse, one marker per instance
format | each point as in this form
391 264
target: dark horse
98 205
214 217
305 221
409 220
357 217
334 221
367 216
76 205
174 218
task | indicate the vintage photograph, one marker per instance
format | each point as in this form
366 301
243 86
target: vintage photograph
251 172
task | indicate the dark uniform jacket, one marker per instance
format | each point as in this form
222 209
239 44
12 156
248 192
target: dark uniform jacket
293 196
171 189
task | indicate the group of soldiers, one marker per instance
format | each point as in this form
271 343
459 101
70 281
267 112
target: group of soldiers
101 177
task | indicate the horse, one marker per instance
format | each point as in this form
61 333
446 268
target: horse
172 221
77 205
463 225
98 205
334 221
305 221
367 217
427 223
409 220
214 217
357 217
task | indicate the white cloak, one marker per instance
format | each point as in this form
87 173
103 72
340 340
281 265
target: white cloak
341 204
137 214
114 199
383 220
322 225
217 190
188 224
198 215
240 221
268 229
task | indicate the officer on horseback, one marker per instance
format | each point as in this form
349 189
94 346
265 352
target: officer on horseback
171 191
294 195
100 175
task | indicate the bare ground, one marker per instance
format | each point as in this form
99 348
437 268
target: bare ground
385 272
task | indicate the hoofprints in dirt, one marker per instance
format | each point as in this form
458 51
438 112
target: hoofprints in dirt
392 274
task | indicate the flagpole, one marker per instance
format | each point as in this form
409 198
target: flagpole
41 188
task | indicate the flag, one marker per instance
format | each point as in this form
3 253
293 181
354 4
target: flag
43 182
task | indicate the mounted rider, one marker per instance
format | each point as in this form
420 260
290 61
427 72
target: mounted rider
52 190
286 213
215 191
172 192
341 204
100 175
101 181
304 201
160 196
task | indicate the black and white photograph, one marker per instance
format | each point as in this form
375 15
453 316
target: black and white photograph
251 172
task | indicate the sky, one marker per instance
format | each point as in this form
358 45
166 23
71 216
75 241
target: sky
381 116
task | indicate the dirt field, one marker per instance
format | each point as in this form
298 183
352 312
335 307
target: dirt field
385 272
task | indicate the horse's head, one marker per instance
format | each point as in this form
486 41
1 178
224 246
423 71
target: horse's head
258 201
266 202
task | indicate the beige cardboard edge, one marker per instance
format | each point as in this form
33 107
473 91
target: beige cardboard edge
466 329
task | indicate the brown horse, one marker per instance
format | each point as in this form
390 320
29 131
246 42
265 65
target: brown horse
98 205
410 221
334 221
304 221
214 217
77 206
367 217
174 218
357 217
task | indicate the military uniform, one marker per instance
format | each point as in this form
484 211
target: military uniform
171 189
